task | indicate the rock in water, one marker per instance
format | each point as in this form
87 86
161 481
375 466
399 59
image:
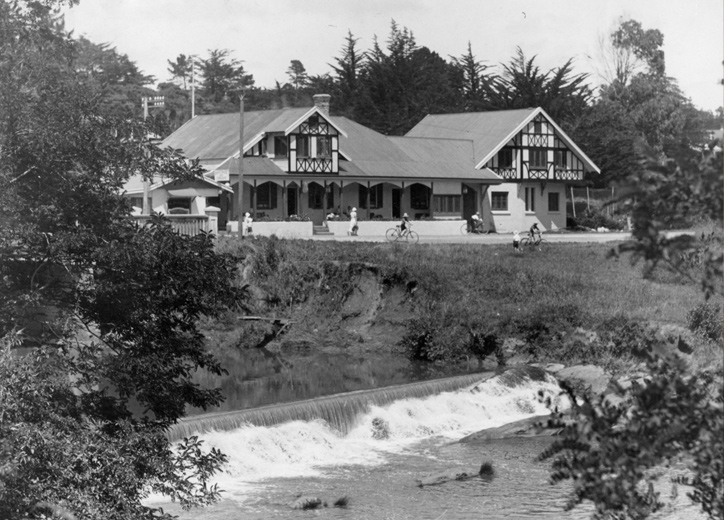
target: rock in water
486 471
307 503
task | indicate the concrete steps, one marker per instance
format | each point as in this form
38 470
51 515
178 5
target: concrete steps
321 230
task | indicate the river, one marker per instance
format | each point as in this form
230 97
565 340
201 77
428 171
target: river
373 445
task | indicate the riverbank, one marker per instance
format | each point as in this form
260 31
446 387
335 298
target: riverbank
450 307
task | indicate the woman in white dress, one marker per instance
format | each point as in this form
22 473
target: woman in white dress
247 224
353 222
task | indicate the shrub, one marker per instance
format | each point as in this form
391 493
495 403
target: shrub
594 219
706 320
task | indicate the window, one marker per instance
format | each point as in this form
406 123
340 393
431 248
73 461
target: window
375 197
138 203
537 127
447 203
280 146
324 146
266 196
530 199
179 206
553 201
505 158
419 197
499 201
561 159
316 192
537 158
303 146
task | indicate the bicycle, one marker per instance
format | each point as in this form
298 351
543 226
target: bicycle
394 234
467 229
541 244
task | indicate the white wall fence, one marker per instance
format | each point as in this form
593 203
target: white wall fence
371 228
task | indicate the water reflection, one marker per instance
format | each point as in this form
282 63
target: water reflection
259 378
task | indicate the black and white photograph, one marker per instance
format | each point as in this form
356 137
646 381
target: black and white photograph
383 260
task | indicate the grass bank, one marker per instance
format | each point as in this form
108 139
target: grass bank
443 303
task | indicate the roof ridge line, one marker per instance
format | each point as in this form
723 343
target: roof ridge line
434 138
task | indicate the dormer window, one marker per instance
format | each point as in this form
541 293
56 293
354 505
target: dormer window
505 158
324 146
561 159
280 146
303 146
538 158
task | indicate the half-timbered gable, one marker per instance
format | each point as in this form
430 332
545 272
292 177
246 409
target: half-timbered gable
538 152
531 154
314 146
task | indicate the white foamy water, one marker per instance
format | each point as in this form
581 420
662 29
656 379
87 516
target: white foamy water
299 448
386 448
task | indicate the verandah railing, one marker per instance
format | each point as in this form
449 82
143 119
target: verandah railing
184 224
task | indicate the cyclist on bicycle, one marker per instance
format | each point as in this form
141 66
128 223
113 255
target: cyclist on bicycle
405 225
476 223
535 230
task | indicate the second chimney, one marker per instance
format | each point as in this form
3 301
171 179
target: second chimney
321 101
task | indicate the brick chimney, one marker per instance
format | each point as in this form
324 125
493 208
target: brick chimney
321 101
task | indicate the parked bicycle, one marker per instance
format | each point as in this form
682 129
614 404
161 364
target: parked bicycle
467 229
530 242
394 234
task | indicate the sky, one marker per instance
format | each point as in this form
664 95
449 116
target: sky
266 35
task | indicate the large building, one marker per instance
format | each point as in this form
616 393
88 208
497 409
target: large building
513 166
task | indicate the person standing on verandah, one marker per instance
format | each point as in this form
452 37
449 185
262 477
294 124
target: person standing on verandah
353 222
246 229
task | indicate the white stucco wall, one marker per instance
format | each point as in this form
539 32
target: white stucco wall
516 218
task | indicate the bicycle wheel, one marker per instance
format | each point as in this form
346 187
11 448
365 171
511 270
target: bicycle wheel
543 245
412 237
464 229
525 243
392 235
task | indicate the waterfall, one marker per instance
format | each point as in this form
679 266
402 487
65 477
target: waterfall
366 428
340 412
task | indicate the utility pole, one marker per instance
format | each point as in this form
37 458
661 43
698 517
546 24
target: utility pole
155 102
193 88
241 161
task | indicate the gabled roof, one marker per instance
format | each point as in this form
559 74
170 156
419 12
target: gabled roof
134 185
215 137
372 154
489 131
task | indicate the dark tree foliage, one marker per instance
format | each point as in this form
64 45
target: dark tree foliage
297 74
609 137
105 310
181 69
561 93
347 77
222 75
673 193
404 84
474 82
665 179
611 448
644 45
119 80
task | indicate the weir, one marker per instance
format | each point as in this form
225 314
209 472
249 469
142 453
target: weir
339 411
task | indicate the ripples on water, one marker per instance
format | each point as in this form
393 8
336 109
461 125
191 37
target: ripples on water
271 465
